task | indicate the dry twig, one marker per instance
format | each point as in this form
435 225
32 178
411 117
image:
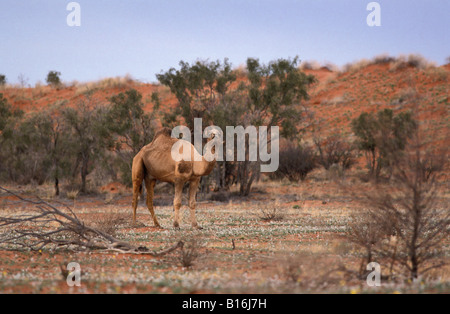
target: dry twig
52 227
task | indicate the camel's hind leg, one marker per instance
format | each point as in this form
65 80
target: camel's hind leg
138 172
177 203
150 186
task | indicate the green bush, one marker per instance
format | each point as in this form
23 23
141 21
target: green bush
381 134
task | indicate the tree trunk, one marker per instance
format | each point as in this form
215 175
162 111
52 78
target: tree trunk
84 173
56 186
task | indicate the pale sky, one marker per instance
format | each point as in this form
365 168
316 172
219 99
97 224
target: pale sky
144 37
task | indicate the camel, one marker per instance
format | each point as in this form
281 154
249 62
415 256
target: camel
154 162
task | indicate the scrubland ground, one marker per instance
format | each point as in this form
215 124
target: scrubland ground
284 238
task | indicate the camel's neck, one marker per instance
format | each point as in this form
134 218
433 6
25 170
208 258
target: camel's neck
204 167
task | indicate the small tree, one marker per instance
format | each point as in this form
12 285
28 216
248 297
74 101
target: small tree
271 95
128 128
86 123
53 79
203 91
381 134
198 87
49 152
408 209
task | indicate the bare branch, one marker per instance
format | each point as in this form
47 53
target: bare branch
55 228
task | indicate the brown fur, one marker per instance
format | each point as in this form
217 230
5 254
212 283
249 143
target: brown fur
154 162
184 167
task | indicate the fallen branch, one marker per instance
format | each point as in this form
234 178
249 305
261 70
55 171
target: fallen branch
54 228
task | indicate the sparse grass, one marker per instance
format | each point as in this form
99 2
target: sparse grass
272 212
72 195
439 75
415 61
107 83
395 63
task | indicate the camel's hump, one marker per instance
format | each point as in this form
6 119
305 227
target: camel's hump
164 132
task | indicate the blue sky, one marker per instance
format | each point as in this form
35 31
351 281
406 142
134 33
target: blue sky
144 37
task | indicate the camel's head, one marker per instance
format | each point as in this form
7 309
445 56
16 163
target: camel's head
216 139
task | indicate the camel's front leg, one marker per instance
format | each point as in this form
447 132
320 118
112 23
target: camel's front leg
177 203
192 202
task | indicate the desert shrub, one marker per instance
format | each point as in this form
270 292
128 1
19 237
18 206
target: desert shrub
414 61
355 66
396 63
363 63
314 65
310 65
108 223
296 162
383 59
72 195
2 80
404 221
272 213
190 252
367 234
334 151
53 79
117 82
